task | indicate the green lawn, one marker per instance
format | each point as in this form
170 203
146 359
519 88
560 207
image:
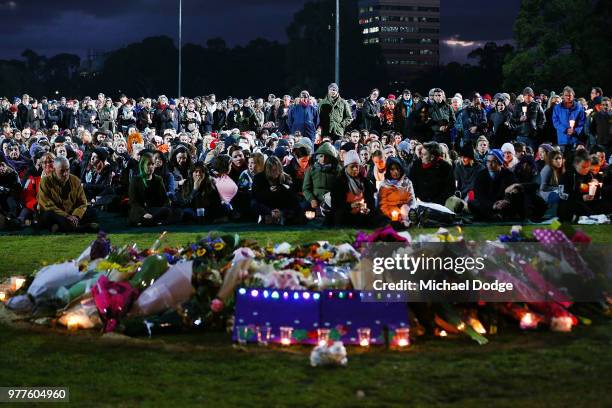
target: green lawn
203 369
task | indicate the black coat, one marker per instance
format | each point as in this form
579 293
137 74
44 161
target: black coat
370 112
341 209
266 200
434 184
487 191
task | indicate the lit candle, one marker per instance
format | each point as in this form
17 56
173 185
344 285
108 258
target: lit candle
477 326
263 335
524 108
285 334
2 296
402 337
364 334
322 336
394 215
593 184
310 215
443 333
561 324
17 282
528 321
572 122
461 326
72 322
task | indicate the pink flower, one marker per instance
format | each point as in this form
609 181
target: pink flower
216 305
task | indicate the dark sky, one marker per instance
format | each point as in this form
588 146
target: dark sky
53 26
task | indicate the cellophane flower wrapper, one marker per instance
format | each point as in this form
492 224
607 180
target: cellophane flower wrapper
329 355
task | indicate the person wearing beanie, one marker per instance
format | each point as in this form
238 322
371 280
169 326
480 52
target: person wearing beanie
303 117
528 120
320 178
466 171
352 195
490 202
334 113
509 153
98 174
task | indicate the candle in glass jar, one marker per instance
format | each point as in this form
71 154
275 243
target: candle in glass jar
72 322
561 324
309 215
285 334
593 187
402 337
322 336
364 333
528 321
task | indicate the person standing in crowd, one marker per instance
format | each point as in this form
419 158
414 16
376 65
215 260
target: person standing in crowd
403 109
601 125
371 112
303 117
501 124
62 201
334 114
473 120
568 119
596 92
528 120
442 117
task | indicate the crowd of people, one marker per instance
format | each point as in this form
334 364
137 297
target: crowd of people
290 160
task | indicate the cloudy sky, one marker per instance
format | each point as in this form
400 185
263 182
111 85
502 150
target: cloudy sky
51 27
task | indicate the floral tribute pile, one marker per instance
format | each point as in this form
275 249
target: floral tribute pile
160 289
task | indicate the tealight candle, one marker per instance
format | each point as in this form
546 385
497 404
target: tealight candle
17 282
72 322
322 336
402 337
394 215
528 321
310 215
364 333
285 334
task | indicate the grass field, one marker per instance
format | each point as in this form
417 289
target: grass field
204 369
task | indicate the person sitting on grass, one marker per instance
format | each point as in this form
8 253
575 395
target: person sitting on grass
149 202
396 195
274 200
62 201
577 199
490 202
204 196
352 196
225 185
320 178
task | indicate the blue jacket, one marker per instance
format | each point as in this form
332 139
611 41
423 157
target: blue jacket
561 118
305 119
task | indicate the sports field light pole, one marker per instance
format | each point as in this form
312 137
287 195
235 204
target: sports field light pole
337 76
180 45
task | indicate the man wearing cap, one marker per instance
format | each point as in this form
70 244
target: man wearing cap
334 113
529 120
490 187
304 117
54 114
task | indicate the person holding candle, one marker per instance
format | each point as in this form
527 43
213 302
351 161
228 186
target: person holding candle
396 195
352 195
550 177
432 176
320 178
568 119
528 119
580 190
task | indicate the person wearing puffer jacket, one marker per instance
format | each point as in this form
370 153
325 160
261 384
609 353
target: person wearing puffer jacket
321 176
396 194
304 117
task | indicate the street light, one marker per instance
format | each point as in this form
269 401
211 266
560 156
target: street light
337 76
180 51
